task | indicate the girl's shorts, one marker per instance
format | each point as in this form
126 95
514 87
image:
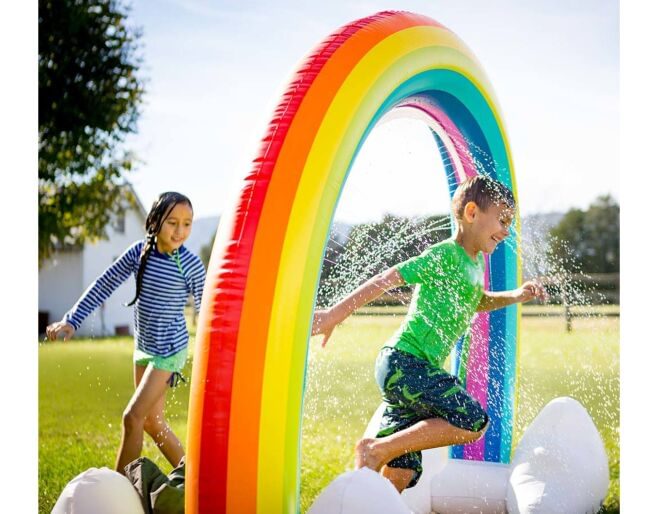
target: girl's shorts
413 390
173 363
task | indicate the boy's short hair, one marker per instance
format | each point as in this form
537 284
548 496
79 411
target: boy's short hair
482 190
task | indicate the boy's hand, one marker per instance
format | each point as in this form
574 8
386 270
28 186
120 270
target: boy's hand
60 327
530 290
323 324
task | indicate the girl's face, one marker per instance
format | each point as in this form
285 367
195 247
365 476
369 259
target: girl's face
175 229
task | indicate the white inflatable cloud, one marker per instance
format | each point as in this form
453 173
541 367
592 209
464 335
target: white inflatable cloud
467 486
560 464
419 498
99 491
359 492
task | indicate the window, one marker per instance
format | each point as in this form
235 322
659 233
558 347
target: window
120 223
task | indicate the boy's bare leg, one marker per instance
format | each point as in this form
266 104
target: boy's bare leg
428 433
400 477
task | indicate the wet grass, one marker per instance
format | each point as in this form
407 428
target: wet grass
342 395
84 386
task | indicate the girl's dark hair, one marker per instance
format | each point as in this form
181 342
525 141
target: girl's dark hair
159 212
482 190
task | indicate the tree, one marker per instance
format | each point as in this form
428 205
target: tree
89 95
588 241
205 251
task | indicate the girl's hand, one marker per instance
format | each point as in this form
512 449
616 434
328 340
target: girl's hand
323 324
530 290
60 327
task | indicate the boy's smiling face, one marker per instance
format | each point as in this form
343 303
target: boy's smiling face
491 226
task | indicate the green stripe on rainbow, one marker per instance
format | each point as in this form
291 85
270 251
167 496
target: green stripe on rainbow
251 350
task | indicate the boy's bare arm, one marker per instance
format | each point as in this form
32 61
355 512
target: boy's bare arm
367 292
491 300
326 320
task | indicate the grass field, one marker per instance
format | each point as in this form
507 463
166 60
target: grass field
84 386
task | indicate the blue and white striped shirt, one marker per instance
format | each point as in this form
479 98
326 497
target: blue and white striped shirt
160 327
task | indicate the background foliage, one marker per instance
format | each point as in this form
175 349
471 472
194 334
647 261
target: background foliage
588 241
89 98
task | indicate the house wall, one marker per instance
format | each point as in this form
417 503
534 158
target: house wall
60 284
96 258
64 278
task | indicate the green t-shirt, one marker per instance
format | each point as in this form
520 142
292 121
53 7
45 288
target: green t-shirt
449 288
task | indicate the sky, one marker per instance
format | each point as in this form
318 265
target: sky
215 71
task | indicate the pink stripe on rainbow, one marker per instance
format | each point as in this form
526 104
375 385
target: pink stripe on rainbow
478 365
478 368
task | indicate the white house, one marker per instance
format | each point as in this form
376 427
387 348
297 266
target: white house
69 272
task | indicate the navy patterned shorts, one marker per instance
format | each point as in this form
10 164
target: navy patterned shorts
413 390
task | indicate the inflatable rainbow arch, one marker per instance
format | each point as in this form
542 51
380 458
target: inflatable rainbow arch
250 356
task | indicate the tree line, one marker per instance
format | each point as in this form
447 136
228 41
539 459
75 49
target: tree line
583 244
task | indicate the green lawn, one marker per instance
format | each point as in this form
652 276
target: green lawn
84 386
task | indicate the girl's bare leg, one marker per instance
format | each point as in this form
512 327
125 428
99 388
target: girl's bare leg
157 427
428 433
151 388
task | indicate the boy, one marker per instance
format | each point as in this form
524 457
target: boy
426 406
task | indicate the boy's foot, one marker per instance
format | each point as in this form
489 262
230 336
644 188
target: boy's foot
367 454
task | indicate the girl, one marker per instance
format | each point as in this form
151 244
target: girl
166 274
